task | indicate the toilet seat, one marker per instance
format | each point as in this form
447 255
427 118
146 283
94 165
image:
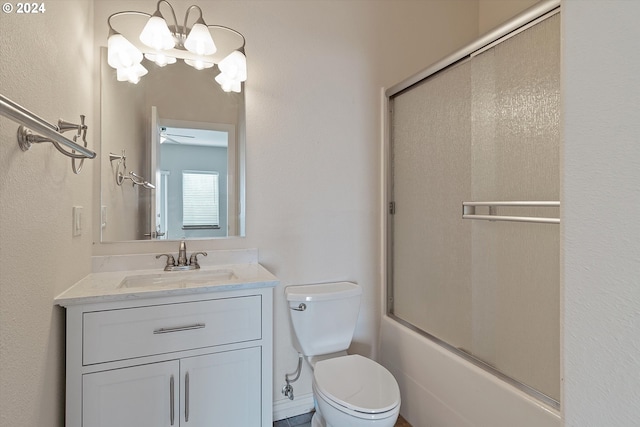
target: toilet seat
358 385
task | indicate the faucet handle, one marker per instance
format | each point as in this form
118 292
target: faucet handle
194 259
171 261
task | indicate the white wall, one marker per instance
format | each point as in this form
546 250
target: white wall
601 207
47 67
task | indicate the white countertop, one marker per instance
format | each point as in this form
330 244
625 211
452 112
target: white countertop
106 286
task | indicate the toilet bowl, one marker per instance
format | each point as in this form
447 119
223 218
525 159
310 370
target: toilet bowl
349 390
353 391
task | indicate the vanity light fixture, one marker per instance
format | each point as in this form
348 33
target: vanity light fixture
142 36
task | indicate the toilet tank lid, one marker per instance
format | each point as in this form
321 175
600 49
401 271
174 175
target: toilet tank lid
322 291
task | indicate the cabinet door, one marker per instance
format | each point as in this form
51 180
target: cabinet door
222 389
140 396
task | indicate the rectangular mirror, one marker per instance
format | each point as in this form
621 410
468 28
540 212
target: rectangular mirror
172 149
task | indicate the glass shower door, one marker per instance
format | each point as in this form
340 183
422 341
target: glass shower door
484 129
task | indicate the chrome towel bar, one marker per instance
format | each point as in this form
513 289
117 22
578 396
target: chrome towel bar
50 133
469 211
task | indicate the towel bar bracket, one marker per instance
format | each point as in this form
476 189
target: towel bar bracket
26 138
48 132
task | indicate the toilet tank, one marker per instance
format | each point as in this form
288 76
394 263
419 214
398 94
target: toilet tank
323 316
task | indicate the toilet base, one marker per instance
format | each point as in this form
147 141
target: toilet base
316 421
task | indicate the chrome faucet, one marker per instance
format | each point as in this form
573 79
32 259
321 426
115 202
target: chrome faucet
183 264
182 254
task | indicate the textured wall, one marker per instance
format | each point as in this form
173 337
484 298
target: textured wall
47 67
601 207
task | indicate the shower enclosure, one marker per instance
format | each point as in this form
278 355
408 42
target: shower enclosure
473 234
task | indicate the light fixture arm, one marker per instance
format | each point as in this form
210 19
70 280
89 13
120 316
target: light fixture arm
200 19
177 32
124 12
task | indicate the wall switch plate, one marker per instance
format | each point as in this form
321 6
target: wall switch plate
77 221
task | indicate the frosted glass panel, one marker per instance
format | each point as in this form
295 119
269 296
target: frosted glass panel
432 249
483 130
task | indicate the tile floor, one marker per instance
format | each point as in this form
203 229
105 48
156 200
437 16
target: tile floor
304 420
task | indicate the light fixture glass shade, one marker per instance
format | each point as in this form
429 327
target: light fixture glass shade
121 53
156 34
160 59
199 64
234 66
199 40
131 74
228 84
164 44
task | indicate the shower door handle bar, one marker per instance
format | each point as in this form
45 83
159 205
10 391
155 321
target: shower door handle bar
542 204
469 211
514 218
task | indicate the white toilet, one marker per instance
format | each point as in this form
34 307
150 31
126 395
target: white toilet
349 390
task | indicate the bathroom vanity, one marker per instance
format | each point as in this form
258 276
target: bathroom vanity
149 348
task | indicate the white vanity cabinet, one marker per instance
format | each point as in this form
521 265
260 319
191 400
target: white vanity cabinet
218 389
193 360
131 396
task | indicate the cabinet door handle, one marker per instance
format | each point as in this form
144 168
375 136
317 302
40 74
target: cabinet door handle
186 397
179 328
171 400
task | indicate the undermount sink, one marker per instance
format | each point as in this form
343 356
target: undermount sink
178 279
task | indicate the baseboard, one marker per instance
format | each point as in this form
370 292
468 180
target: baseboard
286 408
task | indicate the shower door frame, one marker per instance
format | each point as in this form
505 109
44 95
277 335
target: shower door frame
519 23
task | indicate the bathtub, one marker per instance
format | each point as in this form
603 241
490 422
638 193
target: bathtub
440 389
